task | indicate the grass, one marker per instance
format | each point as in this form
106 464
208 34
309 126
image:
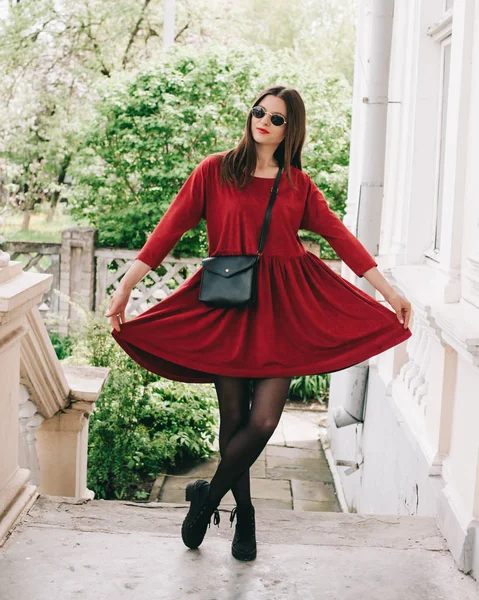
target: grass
39 230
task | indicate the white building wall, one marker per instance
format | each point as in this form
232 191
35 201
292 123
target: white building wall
418 447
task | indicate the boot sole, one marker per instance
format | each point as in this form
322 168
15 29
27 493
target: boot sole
241 556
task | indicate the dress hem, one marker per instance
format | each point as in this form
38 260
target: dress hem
361 355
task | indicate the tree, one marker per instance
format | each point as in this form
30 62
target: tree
154 128
58 59
53 57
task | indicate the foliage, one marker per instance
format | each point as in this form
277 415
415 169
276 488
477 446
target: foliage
320 34
150 134
154 128
138 431
310 387
184 411
53 55
61 344
64 63
142 424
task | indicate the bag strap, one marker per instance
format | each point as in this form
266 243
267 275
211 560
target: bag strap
267 216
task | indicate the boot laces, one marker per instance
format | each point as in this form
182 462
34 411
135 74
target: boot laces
244 525
216 518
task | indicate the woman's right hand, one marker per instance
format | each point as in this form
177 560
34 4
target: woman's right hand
116 310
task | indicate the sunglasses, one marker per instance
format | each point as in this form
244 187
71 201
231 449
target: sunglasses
259 112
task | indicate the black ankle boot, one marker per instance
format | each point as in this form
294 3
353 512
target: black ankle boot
244 541
199 516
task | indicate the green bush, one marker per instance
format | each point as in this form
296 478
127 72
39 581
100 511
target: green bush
184 410
151 129
142 424
61 344
310 388
137 432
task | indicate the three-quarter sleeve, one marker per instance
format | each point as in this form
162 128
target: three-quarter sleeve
185 212
319 218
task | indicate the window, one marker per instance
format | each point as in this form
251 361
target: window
441 33
445 70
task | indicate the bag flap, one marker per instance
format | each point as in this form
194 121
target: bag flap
226 266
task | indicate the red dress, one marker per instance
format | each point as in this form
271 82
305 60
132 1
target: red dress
307 320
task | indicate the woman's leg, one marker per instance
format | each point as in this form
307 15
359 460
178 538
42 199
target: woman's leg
233 401
244 447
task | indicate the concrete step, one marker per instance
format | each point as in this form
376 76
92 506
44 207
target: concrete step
113 549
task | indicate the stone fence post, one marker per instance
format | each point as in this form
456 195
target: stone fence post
77 273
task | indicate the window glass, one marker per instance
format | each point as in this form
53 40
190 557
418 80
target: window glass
440 183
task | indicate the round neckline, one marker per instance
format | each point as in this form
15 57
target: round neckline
267 178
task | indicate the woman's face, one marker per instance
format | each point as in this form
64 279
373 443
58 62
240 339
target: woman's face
275 134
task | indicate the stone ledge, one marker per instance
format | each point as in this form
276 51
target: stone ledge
459 325
51 563
273 525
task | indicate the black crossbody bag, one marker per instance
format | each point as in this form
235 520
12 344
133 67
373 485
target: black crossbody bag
232 280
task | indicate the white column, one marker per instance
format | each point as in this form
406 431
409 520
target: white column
470 242
370 109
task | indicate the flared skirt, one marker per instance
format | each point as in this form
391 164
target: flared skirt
308 320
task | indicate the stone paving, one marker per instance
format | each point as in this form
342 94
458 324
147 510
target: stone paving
66 549
291 473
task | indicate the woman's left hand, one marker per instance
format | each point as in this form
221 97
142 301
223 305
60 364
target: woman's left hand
402 306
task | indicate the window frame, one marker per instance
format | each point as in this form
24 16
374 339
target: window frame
441 33
434 251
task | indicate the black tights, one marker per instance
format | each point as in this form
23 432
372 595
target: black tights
243 432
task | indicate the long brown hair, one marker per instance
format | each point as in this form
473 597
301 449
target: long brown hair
239 163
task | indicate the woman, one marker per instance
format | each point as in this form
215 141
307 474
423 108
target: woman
307 319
